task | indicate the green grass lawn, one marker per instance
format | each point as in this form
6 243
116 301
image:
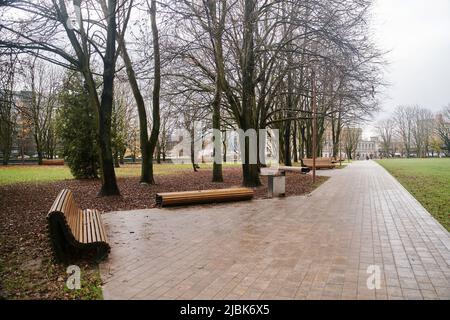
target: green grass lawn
34 173
428 180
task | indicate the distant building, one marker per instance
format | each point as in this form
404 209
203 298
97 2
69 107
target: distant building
23 143
365 148
368 149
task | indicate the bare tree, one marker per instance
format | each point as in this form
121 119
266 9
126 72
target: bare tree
147 144
350 139
404 123
269 51
47 30
386 130
422 130
120 121
443 127
168 124
39 103
8 112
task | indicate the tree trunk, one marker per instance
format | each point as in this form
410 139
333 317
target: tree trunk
158 152
262 141
308 138
154 134
287 144
302 141
6 155
216 38
250 170
147 146
116 160
290 105
109 185
22 154
217 166
336 133
251 175
38 149
194 165
294 142
121 157
6 143
224 145
146 172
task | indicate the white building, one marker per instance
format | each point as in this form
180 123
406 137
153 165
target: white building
367 149
364 149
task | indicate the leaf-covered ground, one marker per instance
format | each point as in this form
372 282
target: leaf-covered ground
27 268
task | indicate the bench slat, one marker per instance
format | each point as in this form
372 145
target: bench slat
76 231
93 227
60 200
94 235
71 216
98 226
85 227
57 204
84 224
101 228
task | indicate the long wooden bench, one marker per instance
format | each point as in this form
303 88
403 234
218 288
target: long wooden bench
73 230
320 163
53 162
203 196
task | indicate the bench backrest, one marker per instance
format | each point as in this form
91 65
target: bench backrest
65 205
53 162
318 160
71 227
324 162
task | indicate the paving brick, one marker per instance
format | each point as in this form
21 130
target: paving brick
314 247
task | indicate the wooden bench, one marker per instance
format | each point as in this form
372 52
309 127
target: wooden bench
336 160
303 170
73 230
280 170
53 162
203 196
320 163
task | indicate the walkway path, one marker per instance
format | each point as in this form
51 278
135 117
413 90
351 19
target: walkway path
308 247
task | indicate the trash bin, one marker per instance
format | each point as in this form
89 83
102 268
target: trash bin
276 185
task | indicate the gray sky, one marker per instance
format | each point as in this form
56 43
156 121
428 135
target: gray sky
417 33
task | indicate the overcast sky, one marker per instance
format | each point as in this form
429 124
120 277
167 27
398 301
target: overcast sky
417 33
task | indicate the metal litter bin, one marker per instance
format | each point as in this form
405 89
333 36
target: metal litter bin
276 184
